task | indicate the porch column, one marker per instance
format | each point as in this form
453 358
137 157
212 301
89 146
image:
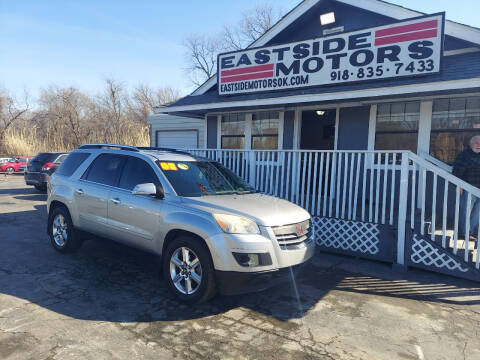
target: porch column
423 145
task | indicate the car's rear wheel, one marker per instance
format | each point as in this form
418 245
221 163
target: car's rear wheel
63 236
188 270
10 170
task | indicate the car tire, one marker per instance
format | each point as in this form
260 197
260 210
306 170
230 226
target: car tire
10 170
198 270
63 236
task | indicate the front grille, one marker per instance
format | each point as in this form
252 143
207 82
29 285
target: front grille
293 234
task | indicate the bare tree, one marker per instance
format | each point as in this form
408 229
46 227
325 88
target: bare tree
202 57
202 51
66 117
141 103
11 111
167 95
69 111
253 24
232 38
144 99
113 99
110 108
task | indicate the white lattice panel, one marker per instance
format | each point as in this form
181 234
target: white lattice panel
425 253
347 235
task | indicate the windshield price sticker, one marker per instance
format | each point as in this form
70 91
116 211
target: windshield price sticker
182 166
407 48
168 166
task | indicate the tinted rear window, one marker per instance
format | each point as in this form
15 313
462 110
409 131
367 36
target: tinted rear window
71 163
45 157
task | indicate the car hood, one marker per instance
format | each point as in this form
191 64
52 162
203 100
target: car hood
264 209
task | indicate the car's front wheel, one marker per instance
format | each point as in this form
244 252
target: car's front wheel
188 270
10 170
63 236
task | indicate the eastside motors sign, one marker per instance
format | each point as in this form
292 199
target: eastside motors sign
406 48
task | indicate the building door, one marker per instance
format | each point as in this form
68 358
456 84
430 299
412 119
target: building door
318 130
318 133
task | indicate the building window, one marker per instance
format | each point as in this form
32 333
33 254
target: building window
454 122
233 131
397 126
265 126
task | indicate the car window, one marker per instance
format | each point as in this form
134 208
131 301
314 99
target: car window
105 169
198 178
137 171
61 158
44 157
23 160
71 163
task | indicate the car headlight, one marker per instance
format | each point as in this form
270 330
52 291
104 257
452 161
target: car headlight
233 224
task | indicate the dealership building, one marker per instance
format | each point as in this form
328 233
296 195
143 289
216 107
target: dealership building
326 105
429 108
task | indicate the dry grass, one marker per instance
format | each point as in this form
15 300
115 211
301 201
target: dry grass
29 142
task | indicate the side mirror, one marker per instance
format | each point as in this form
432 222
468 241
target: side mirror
148 189
160 192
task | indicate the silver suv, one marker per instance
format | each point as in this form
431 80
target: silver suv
213 231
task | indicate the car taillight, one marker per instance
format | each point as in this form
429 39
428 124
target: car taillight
47 166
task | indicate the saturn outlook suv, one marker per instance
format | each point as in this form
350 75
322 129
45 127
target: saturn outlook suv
212 231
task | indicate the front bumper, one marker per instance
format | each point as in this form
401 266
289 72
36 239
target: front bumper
222 246
233 278
35 178
236 283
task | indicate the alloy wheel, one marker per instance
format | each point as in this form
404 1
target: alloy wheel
185 270
59 230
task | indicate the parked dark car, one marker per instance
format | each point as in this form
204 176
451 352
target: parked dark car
41 167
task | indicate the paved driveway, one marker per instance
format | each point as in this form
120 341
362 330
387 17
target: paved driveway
107 302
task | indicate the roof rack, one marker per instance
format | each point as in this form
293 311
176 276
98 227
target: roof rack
163 149
109 146
131 148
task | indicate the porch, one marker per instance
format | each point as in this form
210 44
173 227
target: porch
392 206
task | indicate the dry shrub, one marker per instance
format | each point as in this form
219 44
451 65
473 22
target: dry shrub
28 142
66 118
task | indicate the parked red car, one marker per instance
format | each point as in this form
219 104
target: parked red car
14 164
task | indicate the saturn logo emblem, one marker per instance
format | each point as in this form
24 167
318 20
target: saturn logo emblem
299 230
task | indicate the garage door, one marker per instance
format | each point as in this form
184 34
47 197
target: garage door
181 139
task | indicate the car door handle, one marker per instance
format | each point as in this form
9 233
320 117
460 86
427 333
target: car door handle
79 191
115 201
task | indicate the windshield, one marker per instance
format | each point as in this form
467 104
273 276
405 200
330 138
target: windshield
198 178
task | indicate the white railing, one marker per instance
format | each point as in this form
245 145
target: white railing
396 188
350 185
439 204
435 161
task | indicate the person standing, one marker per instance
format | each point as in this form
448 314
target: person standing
467 168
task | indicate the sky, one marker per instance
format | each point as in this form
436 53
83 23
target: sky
80 43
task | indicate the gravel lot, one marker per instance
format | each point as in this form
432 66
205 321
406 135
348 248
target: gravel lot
107 302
